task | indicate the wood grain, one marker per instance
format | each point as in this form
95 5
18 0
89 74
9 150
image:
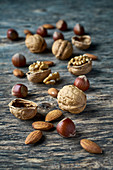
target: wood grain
94 123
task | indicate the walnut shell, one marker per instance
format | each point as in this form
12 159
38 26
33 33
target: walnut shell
35 43
62 49
71 99
23 109
39 76
84 68
82 42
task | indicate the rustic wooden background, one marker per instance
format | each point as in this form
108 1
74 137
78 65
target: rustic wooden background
95 122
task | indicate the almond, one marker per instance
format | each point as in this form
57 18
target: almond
94 57
53 92
90 146
49 63
48 26
18 73
53 115
33 137
40 125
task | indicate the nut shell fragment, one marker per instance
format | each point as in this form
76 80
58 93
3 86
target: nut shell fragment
23 109
35 43
62 49
71 99
82 42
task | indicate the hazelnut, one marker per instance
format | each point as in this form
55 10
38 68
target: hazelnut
12 34
61 25
58 35
53 92
78 29
19 60
66 128
62 49
42 31
18 73
19 90
82 83
35 43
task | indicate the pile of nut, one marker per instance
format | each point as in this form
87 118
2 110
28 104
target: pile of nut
70 98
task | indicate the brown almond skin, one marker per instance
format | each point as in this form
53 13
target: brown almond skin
40 125
53 115
94 57
33 137
90 146
49 63
48 26
53 92
18 73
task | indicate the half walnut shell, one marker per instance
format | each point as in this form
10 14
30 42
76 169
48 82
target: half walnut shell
39 76
82 42
84 65
23 109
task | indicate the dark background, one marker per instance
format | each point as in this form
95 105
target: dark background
95 122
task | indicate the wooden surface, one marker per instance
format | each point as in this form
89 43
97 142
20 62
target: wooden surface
95 122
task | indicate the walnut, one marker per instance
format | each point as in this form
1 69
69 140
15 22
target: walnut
80 65
23 109
62 49
82 42
52 78
38 72
35 43
71 99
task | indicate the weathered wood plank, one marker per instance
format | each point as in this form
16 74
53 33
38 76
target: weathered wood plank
95 122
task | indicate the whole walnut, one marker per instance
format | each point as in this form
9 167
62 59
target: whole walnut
35 43
71 99
62 49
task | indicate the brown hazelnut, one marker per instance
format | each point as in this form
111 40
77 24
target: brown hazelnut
12 34
19 90
66 128
19 60
78 29
82 83
53 92
61 25
18 73
62 49
58 35
42 31
35 43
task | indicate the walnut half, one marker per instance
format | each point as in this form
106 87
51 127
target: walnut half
52 78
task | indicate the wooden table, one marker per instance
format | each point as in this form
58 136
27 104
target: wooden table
95 122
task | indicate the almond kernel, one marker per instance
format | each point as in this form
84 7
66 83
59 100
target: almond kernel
18 73
53 115
94 57
49 63
33 137
48 26
90 146
40 125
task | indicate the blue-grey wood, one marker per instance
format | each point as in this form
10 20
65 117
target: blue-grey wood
95 122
